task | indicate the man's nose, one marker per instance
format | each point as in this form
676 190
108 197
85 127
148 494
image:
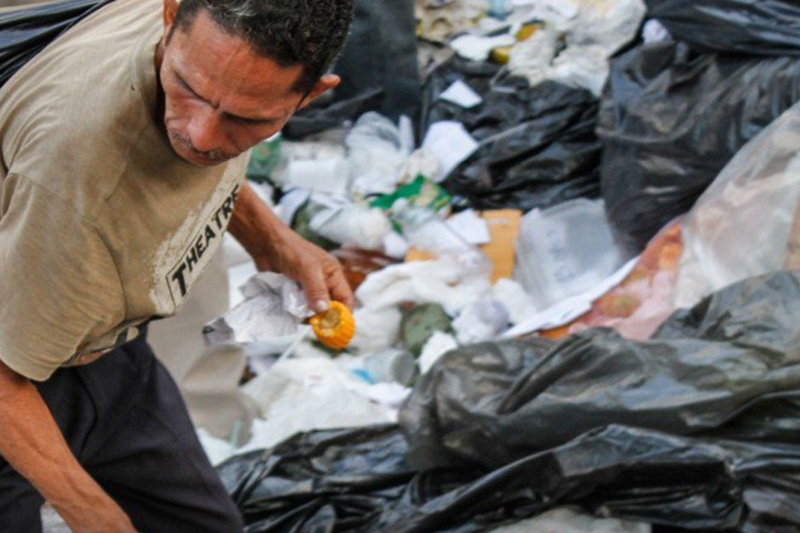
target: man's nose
205 131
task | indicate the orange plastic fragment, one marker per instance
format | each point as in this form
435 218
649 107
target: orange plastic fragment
335 327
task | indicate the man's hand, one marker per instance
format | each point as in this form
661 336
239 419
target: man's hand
318 271
33 445
277 248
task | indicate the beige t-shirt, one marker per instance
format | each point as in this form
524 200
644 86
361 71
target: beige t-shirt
102 226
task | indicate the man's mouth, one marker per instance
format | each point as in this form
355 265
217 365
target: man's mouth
196 156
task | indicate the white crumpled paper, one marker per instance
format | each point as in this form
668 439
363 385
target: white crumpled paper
377 328
482 320
447 281
592 35
274 307
299 395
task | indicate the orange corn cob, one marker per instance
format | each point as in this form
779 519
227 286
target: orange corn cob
335 327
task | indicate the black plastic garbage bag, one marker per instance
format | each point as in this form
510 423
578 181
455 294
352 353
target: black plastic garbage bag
762 27
342 477
696 429
537 148
378 67
358 481
25 32
726 371
481 77
494 403
671 119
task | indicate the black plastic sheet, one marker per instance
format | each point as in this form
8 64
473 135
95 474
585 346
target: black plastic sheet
671 119
537 148
761 27
25 32
695 429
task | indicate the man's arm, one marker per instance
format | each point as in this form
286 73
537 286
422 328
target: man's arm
33 445
275 247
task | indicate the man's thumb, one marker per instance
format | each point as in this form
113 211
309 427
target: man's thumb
317 293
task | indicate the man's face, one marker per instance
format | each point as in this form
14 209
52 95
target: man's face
220 97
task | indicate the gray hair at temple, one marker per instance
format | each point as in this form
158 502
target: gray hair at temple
290 32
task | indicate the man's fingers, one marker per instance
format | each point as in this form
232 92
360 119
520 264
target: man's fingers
316 290
339 288
323 281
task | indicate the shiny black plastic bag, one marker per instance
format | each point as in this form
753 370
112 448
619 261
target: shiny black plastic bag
760 27
671 119
698 429
494 403
537 148
25 32
358 481
345 477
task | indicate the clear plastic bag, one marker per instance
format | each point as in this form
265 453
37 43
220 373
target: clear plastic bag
565 250
742 226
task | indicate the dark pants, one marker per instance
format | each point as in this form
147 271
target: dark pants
125 421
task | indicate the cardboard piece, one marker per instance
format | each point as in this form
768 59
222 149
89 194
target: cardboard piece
503 229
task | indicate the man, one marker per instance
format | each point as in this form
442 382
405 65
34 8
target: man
123 146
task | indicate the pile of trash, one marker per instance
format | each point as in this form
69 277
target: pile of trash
561 313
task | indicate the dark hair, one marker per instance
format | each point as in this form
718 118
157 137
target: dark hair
310 33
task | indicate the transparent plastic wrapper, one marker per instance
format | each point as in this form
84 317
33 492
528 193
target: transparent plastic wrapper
565 250
671 119
745 223
761 27
377 152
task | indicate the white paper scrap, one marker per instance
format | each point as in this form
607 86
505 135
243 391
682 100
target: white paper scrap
478 48
439 344
462 95
470 227
451 143
394 245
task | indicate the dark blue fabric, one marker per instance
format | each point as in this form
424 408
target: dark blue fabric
126 422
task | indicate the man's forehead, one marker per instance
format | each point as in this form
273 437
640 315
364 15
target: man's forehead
206 54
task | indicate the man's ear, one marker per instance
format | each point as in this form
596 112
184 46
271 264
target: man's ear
170 9
325 84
